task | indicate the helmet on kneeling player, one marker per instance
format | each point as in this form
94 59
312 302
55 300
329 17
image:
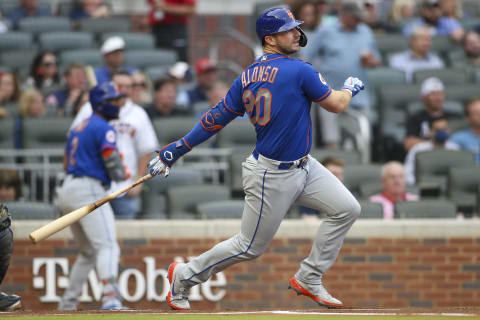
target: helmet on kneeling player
106 100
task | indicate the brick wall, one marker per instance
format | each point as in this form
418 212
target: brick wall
369 273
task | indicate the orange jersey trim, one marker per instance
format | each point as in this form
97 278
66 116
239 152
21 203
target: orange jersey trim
270 60
324 96
230 109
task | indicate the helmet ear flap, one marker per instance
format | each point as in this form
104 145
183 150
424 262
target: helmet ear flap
303 37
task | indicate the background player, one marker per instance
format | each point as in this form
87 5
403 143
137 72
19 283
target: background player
91 162
276 92
7 302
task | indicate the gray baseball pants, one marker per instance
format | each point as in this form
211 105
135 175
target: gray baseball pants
269 193
95 234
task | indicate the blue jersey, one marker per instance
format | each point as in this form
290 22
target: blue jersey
85 146
276 92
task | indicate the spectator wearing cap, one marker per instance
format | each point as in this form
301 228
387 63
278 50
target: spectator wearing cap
164 100
418 124
206 75
345 47
431 17
26 8
469 139
438 140
418 57
169 22
114 57
394 189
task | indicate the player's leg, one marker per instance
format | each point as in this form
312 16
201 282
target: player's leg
268 196
83 264
7 302
99 228
325 193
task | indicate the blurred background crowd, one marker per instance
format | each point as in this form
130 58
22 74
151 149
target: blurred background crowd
409 146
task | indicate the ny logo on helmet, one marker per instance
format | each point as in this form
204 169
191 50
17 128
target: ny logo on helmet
290 14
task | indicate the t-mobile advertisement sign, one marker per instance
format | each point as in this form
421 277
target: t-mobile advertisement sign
56 270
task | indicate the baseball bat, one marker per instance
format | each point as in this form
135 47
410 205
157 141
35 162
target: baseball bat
72 217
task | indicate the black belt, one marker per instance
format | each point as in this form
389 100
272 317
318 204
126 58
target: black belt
285 165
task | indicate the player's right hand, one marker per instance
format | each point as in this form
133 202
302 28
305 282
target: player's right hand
156 167
354 85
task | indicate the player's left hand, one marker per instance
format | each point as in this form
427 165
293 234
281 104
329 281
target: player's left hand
354 85
156 167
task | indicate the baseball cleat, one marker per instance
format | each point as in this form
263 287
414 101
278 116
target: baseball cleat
9 302
318 293
112 303
177 296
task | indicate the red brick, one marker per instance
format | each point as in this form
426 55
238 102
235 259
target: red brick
162 242
447 267
408 242
434 276
433 259
465 276
407 258
393 249
446 250
150 250
393 304
365 250
272 259
434 295
40 251
460 259
381 295
471 249
420 250
379 241
460 241
447 285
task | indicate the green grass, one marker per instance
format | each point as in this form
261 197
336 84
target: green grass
123 316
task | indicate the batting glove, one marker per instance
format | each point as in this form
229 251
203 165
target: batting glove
354 85
156 167
167 156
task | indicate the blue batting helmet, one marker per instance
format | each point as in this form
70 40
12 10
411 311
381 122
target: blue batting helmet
275 20
99 96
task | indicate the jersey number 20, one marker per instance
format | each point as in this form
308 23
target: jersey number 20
259 107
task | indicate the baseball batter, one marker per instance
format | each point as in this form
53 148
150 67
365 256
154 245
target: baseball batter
276 92
91 162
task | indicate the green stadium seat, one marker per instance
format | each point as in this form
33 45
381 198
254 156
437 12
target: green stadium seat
90 57
133 40
389 43
463 183
425 209
25 210
142 59
449 76
58 41
105 24
238 133
38 25
371 210
183 200
355 175
45 133
171 129
16 41
226 209
349 157
157 72
450 106
18 60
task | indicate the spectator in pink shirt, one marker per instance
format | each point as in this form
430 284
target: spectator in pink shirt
393 180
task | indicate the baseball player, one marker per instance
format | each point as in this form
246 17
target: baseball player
276 92
136 140
7 302
91 162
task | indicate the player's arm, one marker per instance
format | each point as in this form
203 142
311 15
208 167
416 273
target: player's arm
112 159
339 100
210 124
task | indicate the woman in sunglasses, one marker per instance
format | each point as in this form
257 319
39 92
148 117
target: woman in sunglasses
44 72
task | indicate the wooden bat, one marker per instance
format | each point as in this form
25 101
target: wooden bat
72 217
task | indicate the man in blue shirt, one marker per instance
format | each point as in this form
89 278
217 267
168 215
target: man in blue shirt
114 57
469 139
431 16
27 8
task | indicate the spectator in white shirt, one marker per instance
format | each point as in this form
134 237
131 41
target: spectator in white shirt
418 57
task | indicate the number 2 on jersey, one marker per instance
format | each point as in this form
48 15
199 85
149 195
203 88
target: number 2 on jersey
259 107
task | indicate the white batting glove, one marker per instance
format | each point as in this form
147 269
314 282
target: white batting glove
156 167
354 85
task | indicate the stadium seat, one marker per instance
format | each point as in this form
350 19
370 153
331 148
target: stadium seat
7 5
382 75
171 129
425 209
449 76
18 60
442 45
154 201
368 189
38 25
226 209
157 72
142 59
461 93
16 41
182 200
355 175
238 133
371 210
90 57
133 40
45 133
432 167
238 156
389 43
105 24
7 134
58 41
450 106
349 157
463 183
456 58
26 210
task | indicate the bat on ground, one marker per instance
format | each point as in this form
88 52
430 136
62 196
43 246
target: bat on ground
72 217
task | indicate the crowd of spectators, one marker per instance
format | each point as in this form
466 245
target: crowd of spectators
342 42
